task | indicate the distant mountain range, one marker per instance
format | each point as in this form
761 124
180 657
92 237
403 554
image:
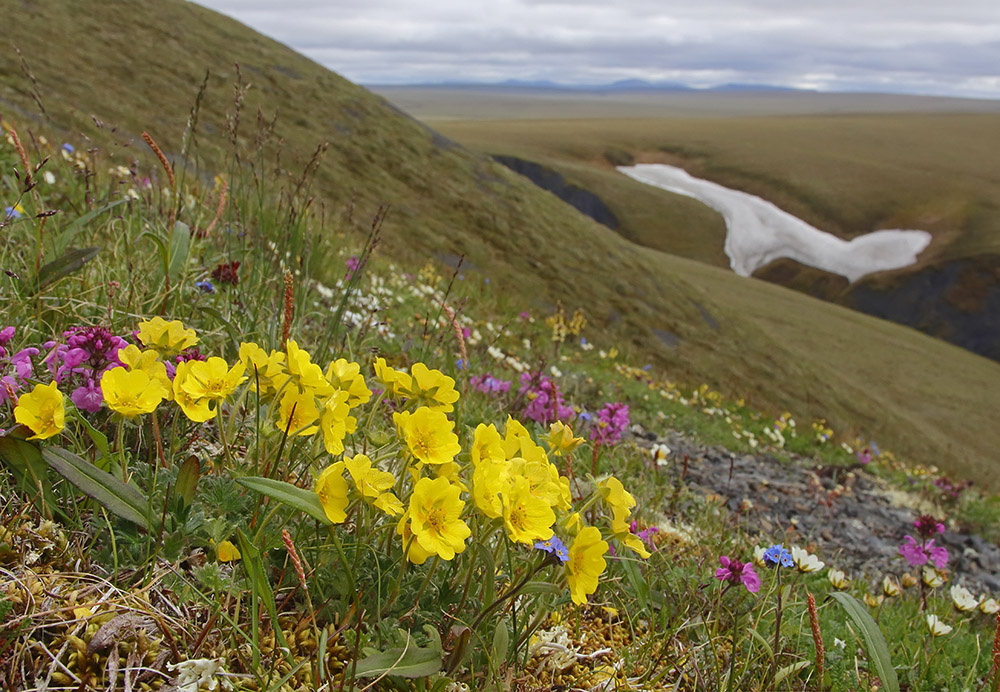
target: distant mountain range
622 85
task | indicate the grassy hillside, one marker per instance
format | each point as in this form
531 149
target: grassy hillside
111 70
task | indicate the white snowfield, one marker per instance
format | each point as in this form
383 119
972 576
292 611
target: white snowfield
758 232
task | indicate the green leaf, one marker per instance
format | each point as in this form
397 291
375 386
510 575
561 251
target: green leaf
24 461
306 501
501 642
261 589
180 244
64 239
790 669
64 265
541 587
878 651
413 662
635 579
187 479
117 497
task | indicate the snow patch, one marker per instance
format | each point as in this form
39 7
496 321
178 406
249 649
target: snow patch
758 232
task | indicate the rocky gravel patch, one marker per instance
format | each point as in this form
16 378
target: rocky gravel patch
855 520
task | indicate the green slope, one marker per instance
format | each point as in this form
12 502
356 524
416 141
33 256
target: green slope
137 66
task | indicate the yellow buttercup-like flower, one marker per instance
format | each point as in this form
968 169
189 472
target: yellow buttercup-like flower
297 414
435 517
305 374
428 435
166 338
370 481
148 361
561 440
331 487
395 382
615 495
227 552
131 393
196 409
586 563
487 445
346 376
526 516
213 379
264 370
432 388
489 479
623 532
42 410
336 422
414 552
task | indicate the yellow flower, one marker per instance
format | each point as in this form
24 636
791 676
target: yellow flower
389 503
370 481
306 375
196 409
586 563
526 517
396 383
166 338
489 479
147 361
332 490
435 517
131 393
335 422
873 601
487 445
561 440
297 414
414 553
347 377
213 379
428 435
227 552
615 495
623 532
266 370
42 410
432 388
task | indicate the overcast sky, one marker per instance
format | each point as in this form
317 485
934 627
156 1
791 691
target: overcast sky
949 47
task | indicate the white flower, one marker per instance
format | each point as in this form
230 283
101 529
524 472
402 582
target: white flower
48 177
988 605
932 578
963 599
937 628
758 556
197 672
556 372
839 643
806 562
838 579
660 452
890 587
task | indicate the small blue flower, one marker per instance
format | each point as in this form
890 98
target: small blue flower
68 148
554 546
11 213
776 556
205 286
460 364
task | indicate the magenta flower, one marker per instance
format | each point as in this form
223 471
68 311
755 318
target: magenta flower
918 554
736 572
612 420
927 526
540 391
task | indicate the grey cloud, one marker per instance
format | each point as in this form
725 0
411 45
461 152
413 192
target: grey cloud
931 46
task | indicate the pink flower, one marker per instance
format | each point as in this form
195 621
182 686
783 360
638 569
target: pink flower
737 572
918 554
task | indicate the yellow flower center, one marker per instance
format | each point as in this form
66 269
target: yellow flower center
436 518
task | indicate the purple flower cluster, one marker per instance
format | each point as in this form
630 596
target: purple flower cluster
554 546
14 368
645 535
545 402
950 489
612 421
918 554
352 266
487 384
736 572
88 353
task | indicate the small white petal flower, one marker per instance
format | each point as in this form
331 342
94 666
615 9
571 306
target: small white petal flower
890 587
937 628
660 453
932 578
988 605
839 643
838 579
806 562
963 599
